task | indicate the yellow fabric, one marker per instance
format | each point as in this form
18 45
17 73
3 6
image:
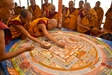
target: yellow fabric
46 7
70 22
88 22
108 22
15 32
32 28
56 16
100 13
35 13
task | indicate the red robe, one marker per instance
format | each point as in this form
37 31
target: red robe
7 33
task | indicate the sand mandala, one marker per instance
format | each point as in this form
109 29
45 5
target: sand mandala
82 55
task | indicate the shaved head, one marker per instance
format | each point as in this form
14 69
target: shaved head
52 23
98 4
86 7
52 9
6 8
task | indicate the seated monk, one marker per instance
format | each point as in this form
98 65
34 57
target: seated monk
108 20
87 20
6 10
51 14
40 27
35 10
17 26
70 17
17 9
80 6
46 6
100 13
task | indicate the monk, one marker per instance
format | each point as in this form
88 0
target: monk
17 26
80 6
46 6
99 12
40 27
51 14
70 17
108 20
6 10
35 10
87 20
17 9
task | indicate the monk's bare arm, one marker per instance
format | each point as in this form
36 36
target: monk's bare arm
25 32
43 28
79 23
8 55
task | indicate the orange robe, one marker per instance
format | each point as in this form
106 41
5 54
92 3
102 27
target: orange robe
100 14
45 8
87 22
49 15
15 21
70 20
33 28
36 12
108 21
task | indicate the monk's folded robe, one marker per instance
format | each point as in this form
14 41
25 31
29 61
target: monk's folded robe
87 22
70 19
36 12
100 14
14 31
7 33
33 27
46 7
108 21
50 15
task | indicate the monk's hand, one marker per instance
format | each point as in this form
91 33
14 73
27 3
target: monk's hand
42 44
28 48
61 44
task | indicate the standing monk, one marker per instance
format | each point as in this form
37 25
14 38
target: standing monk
70 17
46 6
100 13
35 10
6 10
87 20
51 14
108 21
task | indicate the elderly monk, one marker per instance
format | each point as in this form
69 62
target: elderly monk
41 26
87 20
6 10
17 26
80 6
70 17
46 6
99 12
51 14
108 20
35 10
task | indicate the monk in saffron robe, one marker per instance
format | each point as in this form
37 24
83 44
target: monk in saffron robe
51 14
46 6
80 6
87 20
40 27
99 12
35 10
70 17
5 35
17 26
108 20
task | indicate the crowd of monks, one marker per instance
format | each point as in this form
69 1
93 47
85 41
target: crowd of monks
35 21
